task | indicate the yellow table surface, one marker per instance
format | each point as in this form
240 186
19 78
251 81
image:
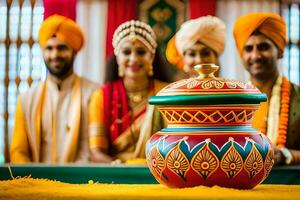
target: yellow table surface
29 188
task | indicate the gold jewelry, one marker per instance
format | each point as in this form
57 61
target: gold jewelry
121 71
137 97
134 29
150 72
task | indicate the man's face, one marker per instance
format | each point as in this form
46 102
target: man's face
260 57
59 57
198 54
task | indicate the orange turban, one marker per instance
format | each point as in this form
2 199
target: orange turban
64 29
269 24
173 55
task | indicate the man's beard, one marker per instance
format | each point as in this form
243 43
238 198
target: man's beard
62 72
264 73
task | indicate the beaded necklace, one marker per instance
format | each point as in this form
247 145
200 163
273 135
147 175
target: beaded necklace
284 112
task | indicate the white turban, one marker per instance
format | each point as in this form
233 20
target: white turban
209 30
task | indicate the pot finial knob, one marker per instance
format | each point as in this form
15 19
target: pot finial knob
206 70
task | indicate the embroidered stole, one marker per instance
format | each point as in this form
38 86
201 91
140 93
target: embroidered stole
274 111
266 118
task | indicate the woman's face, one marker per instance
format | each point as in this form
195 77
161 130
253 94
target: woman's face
198 54
134 59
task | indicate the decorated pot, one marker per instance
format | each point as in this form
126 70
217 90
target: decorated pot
209 139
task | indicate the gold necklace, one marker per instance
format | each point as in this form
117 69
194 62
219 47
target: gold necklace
137 97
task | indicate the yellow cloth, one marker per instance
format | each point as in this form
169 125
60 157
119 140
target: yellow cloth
64 29
20 147
269 24
259 118
29 188
34 138
173 55
209 30
266 118
136 161
26 145
97 136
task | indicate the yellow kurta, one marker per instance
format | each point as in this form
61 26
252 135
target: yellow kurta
51 124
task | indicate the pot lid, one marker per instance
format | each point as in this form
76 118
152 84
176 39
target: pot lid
206 89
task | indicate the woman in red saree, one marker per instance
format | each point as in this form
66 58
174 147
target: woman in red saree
120 118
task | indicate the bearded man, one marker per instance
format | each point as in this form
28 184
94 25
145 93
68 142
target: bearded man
51 119
261 39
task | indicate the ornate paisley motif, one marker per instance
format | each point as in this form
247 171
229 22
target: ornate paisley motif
231 84
161 14
237 84
244 85
177 162
192 84
254 162
161 31
212 83
155 161
205 162
269 161
232 162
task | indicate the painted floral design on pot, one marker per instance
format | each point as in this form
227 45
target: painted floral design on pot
209 139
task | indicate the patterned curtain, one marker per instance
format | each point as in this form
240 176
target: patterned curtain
164 16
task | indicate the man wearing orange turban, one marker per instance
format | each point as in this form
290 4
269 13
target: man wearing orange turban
260 39
51 120
64 29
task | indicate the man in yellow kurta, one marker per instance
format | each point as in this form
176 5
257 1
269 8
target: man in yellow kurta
260 39
51 119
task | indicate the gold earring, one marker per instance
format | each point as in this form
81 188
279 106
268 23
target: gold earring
121 71
150 72
186 68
